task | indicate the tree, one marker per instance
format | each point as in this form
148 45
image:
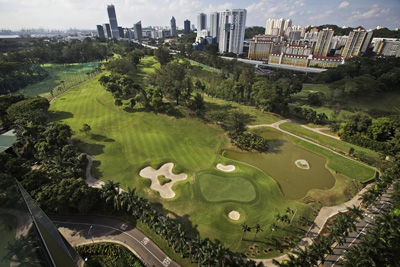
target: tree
163 56
245 228
171 79
197 104
85 128
236 122
257 229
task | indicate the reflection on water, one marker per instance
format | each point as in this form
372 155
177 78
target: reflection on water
279 163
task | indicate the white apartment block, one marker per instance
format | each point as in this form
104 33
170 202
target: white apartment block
231 32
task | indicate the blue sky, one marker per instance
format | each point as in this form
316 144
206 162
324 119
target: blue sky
63 14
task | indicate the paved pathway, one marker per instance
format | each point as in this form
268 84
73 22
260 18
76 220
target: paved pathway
320 131
79 230
92 182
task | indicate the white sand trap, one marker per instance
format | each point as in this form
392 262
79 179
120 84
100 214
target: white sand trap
302 164
234 215
225 168
166 170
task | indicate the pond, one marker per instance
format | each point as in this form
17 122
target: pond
279 162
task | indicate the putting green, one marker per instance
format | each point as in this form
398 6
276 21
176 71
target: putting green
217 187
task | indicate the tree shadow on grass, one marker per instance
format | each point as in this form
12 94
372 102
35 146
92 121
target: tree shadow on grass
60 115
102 138
95 170
91 149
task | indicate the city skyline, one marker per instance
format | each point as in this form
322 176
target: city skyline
65 14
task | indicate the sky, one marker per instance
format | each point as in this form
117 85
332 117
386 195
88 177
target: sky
86 14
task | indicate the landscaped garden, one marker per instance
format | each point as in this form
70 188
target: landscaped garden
123 142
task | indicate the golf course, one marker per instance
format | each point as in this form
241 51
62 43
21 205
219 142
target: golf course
124 142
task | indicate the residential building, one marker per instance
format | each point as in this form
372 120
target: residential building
305 61
355 44
113 21
107 30
201 23
186 25
173 27
231 31
138 30
121 32
287 24
323 43
269 26
262 46
214 25
389 48
100 32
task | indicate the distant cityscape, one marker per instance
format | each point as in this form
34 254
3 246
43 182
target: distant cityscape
282 42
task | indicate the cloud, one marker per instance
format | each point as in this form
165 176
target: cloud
374 12
343 4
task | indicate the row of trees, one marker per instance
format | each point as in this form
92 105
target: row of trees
381 134
204 252
310 115
362 76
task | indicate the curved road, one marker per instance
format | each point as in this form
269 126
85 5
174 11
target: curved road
79 230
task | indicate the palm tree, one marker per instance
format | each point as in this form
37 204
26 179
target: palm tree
257 229
304 257
245 228
356 211
110 192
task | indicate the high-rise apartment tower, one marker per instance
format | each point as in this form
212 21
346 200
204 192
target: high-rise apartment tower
231 31
137 27
173 27
214 24
186 25
201 23
323 43
113 21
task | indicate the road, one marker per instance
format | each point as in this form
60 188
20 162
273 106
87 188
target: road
79 230
362 226
278 66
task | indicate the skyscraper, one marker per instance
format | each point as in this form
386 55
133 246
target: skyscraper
201 23
323 43
138 30
214 24
231 31
113 21
173 27
186 26
280 25
107 30
100 31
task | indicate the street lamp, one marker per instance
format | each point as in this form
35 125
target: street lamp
90 229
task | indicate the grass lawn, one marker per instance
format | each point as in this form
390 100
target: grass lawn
256 116
351 169
72 74
326 141
122 143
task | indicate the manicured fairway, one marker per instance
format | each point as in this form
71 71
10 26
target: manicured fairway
71 74
122 143
217 186
325 140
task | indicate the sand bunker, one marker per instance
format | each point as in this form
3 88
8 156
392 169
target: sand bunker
165 170
234 215
302 164
225 168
